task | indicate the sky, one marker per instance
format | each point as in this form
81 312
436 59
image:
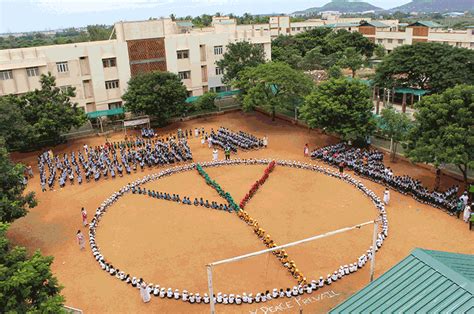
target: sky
38 15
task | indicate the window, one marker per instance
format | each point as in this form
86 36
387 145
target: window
109 62
64 88
62 67
218 50
115 105
6 75
183 54
293 29
389 41
184 75
472 45
32 71
219 71
379 41
190 93
458 44
400 41
112 84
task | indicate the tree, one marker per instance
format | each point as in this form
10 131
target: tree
13 201
314 60
273 86
206 101
379 51
334 72
158 94
99 32
289 55
443 132
26 284
38 118
239 56
13 127
431 66
340 106
342 39
394 125
351 59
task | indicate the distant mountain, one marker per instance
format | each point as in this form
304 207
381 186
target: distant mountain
343 6
430 6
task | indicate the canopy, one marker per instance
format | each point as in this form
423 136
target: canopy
408 90
219 95
104 113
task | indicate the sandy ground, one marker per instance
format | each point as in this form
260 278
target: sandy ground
170 244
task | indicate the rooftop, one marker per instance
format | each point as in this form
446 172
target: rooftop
425 281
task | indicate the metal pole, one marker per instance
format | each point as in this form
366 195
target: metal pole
101 128
296 114
211 289
374 240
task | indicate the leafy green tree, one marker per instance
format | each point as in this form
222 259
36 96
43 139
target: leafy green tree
395 125
443 132
314 60
273 86
26 283
340 106
38 118
351 59
158 94
13 127
289 55
99 32
206 101
334 72
431 66
13 200
239 56
379 51
342 39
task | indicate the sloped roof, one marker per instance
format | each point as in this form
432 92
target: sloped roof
374 24
425 281
429 24
104 113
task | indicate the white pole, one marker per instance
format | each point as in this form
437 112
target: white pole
211 289
233 259
374 241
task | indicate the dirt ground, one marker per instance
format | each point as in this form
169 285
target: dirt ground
170 244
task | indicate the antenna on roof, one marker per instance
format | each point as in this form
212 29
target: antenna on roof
112 33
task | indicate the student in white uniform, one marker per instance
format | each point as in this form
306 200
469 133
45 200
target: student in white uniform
386 196
145 292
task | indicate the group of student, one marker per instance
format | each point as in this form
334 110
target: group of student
227 139
148 289
111 159
186 200
369 164
147 132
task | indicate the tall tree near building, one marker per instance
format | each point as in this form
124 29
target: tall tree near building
26 283
443 132
273 86
431 66
395 125
38 118
340 106
238 56
158 94
14 203
351 59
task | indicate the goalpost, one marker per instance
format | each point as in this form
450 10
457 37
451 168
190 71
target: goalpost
142 120
324 235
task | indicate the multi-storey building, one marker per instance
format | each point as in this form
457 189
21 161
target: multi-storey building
100 70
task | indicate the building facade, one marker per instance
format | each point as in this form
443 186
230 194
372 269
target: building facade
100 70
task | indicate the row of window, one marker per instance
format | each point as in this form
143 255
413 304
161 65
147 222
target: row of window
8 74
389 41
185 75
184 54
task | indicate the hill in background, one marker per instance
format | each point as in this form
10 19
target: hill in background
343 6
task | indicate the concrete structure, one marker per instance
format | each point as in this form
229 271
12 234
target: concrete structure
100 70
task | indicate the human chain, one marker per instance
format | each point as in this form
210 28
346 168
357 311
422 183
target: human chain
369 164
234 140
218 188
257 184
231 298
110 159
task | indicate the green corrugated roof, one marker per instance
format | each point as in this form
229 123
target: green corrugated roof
342 25
408 90
425 281
429 24
103 113
374 24
219 95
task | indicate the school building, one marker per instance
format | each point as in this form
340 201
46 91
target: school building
100 70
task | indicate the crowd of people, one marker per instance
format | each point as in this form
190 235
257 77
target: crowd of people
227 139
369 163
186 200
147 289
110 160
